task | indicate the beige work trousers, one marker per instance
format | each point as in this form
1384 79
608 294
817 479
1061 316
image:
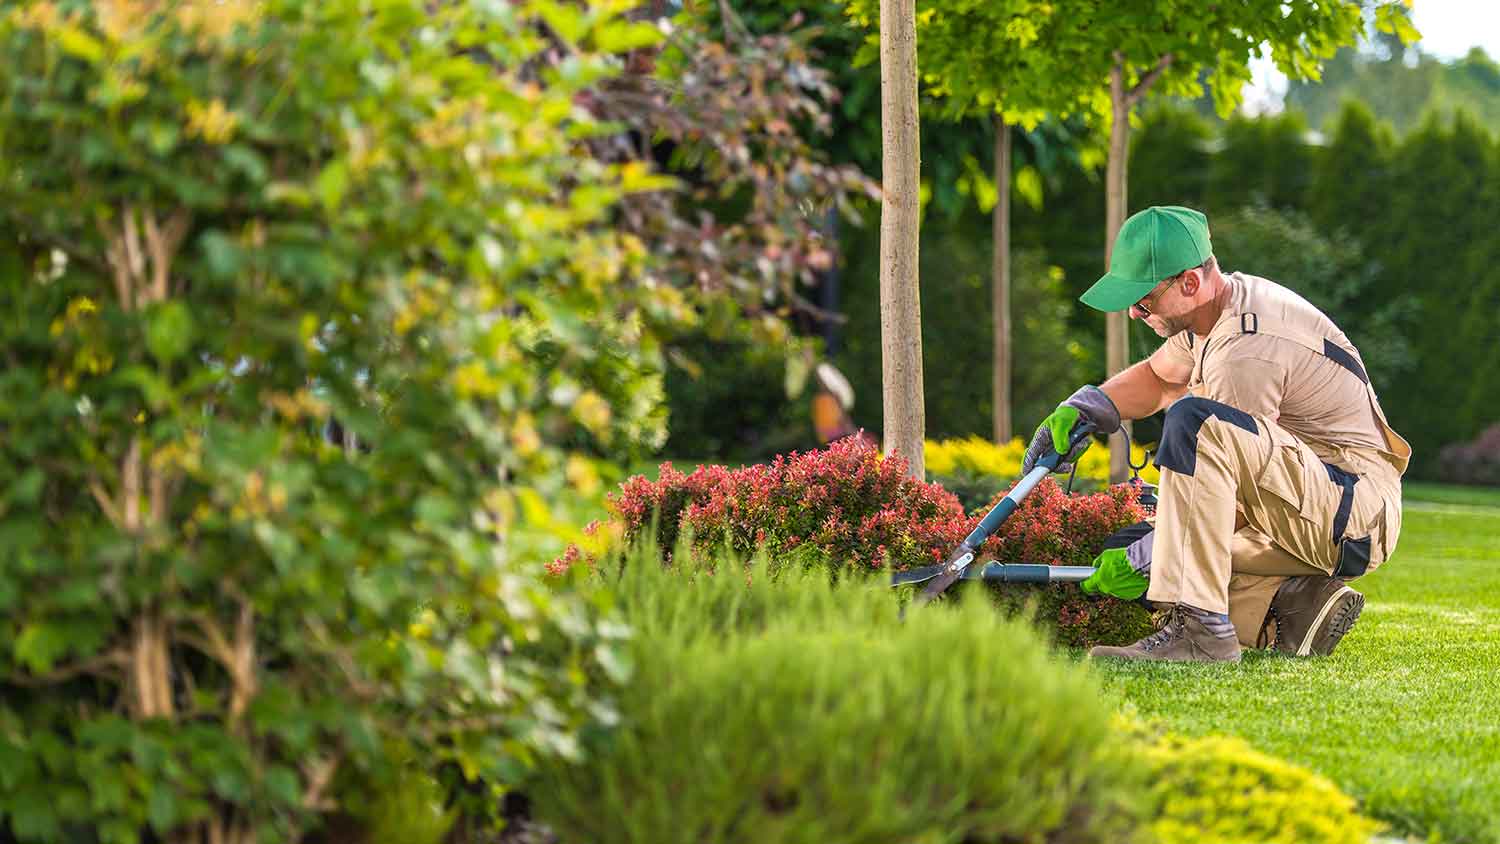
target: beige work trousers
1218 463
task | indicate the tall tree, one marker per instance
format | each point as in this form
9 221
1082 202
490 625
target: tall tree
900 219
989 60
1168 46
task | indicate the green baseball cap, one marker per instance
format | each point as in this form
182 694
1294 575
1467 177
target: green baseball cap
1153 244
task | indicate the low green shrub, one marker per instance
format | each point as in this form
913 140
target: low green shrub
794 710
1218 788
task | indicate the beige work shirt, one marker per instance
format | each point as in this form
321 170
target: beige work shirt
1309 394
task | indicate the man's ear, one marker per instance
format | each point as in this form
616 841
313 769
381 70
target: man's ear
1191 281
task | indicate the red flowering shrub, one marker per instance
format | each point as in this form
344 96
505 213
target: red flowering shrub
843 503
1058 529
846 507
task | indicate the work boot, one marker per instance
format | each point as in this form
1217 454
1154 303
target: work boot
1312 613
1184 638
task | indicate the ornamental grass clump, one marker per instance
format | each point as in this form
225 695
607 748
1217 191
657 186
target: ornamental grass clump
789 709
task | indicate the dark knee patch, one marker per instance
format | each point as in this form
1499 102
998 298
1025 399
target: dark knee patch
1126 536
1178 450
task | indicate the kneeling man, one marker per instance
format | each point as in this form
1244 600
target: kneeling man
1280 477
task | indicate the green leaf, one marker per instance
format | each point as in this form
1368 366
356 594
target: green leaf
619 36
153 388
161 807
169 334
1028 186
332 183
27 489
565 19
79 43
34 818
222 254
281 781
39 646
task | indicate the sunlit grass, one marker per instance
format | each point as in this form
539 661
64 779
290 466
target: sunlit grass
1406 714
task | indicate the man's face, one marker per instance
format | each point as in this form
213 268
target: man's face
1166 309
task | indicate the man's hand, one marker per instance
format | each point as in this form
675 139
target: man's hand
1088 406
1115 577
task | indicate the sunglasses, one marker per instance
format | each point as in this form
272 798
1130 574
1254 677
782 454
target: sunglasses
1153 296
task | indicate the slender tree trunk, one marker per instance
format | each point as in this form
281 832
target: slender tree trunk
1116 338
900 305
1000 287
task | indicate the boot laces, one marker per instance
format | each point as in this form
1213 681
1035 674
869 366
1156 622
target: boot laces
1264 637
1167 633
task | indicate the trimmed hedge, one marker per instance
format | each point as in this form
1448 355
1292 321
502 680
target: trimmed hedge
797 711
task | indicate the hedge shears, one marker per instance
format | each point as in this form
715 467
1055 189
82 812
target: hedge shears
938 578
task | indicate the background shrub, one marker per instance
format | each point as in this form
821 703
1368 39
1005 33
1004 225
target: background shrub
793 710
973 467
1476 462
735 389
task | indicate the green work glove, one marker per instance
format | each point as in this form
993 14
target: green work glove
1088 406
1115 577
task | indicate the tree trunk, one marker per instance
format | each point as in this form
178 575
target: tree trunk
1116 340
900 305
1000 283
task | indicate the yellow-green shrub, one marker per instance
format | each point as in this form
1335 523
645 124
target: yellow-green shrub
978 456
1220 789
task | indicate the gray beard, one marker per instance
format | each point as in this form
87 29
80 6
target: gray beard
1174 326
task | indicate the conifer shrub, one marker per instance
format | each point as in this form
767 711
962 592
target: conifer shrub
788 709
1218 788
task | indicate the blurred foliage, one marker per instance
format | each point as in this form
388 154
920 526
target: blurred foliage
1263 161
957 332
1332 273
738 390
789 709
1476 462
973 468
733 117
228 228
1403 85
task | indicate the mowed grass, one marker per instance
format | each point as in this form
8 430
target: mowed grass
1405 715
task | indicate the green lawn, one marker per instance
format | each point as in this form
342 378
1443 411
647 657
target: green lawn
1405 716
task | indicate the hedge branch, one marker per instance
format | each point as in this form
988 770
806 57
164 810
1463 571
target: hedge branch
98 665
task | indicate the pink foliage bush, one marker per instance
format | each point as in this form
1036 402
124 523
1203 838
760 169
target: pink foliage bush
855 510
849 509
843 503
1475 462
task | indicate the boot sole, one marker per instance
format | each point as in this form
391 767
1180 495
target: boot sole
1333 621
